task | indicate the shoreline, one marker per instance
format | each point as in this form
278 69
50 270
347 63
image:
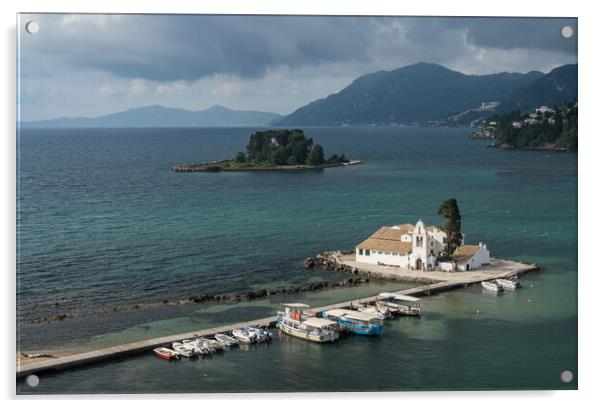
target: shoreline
67 360
220 165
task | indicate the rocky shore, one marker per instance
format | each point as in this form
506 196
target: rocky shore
206 298
329 261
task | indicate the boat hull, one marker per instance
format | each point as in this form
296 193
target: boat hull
164 356
323 338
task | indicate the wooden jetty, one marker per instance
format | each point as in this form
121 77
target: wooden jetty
25 368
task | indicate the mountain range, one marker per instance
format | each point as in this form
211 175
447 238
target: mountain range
418 94
160 116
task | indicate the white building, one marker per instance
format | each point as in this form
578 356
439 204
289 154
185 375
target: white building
468 257
545 109
416 247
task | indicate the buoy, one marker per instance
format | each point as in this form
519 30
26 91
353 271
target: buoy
478 311
529 300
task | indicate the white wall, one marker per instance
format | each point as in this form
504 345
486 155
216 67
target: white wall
480 258
447 266
375 258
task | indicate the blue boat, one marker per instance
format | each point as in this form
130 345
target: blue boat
356 322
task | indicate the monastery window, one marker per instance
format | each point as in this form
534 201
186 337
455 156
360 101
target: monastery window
367 252
361 251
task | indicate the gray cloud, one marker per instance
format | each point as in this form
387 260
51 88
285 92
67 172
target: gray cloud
95 64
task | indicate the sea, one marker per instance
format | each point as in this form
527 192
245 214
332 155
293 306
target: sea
110 238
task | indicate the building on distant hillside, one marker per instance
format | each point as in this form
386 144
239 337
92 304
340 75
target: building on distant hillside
517 125
544 109
417 247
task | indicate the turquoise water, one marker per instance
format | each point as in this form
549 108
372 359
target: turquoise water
102 221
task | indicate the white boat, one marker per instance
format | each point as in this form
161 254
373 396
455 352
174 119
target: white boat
508 284
296 322
261 335
243 336
226 340
401 304
182 350
491 286
193 345
211 345
382 315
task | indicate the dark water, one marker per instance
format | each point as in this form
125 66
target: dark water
103 222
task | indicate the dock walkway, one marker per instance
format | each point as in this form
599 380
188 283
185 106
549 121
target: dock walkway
498 269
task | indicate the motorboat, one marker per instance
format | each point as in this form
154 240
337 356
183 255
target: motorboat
183 350
296 322
261 335
193 345
243 336
166 354
492 287
355 321
508 284
382 315
226 340
212 345
399 304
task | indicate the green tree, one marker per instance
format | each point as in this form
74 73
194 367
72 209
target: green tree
240 157
316 155
452 224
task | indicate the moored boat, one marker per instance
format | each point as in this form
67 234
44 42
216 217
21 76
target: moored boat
243 336
212 345
261 335
508 283
182 350
400 304
226 340
491 286
193 345
382 315
165 353
355 321
296 322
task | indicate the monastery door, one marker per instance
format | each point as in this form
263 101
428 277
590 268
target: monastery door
419 264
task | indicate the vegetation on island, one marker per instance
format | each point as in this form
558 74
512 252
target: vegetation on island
278 149
452 225
547 128
283 147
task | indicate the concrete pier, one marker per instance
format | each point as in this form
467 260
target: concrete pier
497 269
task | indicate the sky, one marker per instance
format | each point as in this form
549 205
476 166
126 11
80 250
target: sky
91 65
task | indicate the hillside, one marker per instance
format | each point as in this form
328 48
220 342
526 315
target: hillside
160 116
429 94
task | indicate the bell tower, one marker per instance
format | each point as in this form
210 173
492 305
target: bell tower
420 246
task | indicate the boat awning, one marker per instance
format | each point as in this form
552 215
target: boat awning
318 322
299 305
399 297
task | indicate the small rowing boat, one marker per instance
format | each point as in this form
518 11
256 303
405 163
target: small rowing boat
165 353
508 284
491 286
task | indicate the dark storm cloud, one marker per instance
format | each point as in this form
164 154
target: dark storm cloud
508 33
167 48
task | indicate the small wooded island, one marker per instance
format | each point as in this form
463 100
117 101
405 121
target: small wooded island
279 149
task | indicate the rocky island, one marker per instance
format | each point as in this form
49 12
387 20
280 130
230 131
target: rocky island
281 150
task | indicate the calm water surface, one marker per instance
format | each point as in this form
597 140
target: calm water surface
102 221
